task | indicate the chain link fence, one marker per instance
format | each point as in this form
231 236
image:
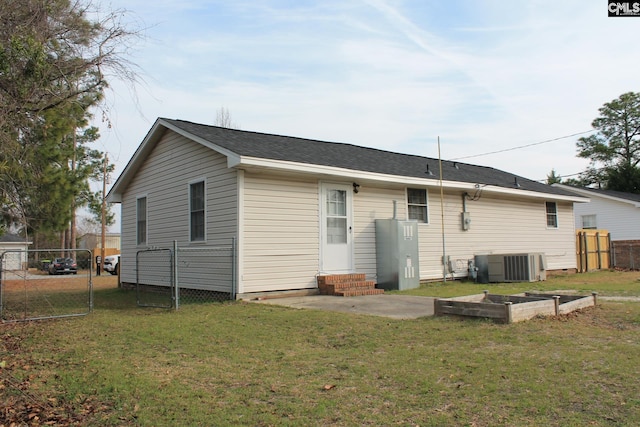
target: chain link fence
45 284
169 278
155 278
626 254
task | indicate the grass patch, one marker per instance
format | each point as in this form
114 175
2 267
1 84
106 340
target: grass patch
261 365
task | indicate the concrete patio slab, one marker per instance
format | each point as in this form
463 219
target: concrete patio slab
393 306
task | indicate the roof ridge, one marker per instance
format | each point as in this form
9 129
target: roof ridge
298 138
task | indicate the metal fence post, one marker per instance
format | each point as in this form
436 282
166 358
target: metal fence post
234 275
138 278
1 285
90 282
176 284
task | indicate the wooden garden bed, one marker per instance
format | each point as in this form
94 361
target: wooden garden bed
512 308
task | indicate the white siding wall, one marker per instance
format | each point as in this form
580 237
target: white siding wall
164 178
498 225
622 220
280 241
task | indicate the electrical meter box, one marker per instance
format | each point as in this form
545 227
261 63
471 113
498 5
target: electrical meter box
397 260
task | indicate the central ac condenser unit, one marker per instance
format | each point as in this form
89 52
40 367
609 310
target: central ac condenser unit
529 267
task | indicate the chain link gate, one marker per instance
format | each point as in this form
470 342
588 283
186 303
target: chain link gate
45 284
155 278
168 278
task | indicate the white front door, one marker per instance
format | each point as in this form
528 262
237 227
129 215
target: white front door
336 253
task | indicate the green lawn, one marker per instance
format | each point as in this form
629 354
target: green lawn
263 365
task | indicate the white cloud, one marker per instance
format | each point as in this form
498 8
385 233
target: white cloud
389 74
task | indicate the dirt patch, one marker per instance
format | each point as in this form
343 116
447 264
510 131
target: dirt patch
47 297
59 283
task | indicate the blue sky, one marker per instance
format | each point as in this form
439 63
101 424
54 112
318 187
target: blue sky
483 76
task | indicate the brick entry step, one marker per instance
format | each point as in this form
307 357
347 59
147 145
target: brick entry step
347 285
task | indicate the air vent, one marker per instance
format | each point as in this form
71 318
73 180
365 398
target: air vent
529 267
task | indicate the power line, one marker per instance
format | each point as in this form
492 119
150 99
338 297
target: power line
569 175
544 180
523 146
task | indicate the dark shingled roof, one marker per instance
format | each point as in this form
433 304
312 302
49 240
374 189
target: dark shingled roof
353 157
12 238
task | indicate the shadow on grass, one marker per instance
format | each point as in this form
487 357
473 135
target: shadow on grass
114 299
127 299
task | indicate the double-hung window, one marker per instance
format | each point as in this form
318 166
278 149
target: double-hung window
141 221
552 214
417 204
196 211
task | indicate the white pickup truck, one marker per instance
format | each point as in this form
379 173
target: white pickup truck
111 264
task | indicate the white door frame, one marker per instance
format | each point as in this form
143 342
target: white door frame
336 258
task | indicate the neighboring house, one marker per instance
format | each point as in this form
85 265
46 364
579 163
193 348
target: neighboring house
614 211
302 208
93 241
13 249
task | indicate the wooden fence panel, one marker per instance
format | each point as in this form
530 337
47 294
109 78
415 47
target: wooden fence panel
593 250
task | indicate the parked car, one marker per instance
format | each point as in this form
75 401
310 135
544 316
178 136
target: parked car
111 263
63 266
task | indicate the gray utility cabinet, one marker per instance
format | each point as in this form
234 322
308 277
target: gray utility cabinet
397 259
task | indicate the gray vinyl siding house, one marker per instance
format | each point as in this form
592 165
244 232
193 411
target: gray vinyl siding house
614 211
300 208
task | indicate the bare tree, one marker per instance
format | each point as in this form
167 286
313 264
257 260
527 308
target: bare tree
56 59
87 225
223 119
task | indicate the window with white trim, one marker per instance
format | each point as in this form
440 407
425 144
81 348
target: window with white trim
141 221
589 222
417 204
552 214
196 212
